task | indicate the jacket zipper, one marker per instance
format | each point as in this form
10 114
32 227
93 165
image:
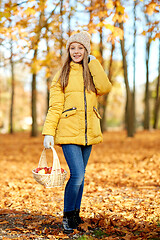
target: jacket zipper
74 108
95 109
85 105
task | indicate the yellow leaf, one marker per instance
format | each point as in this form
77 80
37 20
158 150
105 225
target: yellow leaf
120 9
110 27
110 5
120 19
115 17
14 37
23 34
5 15
30 11
100 24
150 8
157 35
144 33
35 67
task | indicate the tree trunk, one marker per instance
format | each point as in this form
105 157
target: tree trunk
134 69
34 132
12 89
34 101
146 100
48 80
101 48
48 90
102 99
69 19
105 97
91 13
157 100
91 18
61 30
129 100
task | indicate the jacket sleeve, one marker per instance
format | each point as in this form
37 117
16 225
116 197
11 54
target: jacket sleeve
56 103
100 79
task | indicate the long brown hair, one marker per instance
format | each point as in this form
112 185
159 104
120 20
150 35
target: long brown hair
64 75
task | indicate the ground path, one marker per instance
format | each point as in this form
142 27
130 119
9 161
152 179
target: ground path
121 196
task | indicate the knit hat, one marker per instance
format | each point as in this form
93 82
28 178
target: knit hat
82 38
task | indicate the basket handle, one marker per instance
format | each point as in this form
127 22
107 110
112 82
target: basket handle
42 161
56 163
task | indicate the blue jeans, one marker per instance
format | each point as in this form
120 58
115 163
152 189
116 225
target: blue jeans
77 157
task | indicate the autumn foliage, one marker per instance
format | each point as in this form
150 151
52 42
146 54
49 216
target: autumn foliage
121 195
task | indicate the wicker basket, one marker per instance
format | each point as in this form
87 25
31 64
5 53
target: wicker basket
56 178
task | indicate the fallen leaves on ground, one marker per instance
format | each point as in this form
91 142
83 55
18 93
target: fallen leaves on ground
121 197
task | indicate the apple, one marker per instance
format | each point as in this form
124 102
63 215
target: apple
46 170
37 170
49 170
62 170
42 171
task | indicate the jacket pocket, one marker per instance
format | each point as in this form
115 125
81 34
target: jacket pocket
97 113
68 112
69 123
95 127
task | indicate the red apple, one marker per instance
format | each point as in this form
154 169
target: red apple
37 170
49 170
46 170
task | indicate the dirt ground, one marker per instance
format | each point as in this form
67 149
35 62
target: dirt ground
121 197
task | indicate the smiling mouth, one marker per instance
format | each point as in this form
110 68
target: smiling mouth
77 56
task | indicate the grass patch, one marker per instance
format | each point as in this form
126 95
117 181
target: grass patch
136 233
85 237
158 224
98 233
155 238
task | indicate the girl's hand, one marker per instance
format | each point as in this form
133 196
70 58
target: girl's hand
90 58
48 141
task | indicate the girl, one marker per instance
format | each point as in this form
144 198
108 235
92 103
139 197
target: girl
73 120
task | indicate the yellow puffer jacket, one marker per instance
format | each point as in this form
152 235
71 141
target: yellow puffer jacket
72 116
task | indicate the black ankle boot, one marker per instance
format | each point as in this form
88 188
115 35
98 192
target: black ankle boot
77 217
69 222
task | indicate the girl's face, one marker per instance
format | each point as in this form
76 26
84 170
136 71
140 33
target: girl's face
76 51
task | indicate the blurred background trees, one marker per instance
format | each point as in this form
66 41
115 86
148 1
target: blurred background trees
125 39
